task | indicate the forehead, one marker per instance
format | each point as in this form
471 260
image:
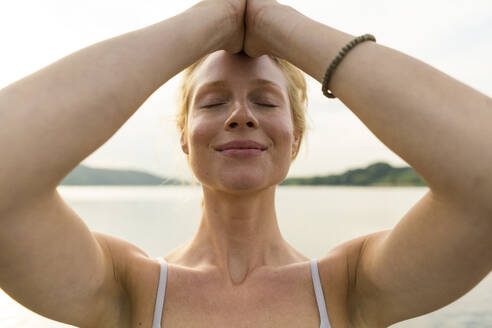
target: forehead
223 68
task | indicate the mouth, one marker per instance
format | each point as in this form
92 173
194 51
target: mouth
241 144
241 152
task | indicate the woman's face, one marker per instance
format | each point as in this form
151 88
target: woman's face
228 102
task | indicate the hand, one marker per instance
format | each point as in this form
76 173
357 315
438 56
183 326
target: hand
255 43
234 23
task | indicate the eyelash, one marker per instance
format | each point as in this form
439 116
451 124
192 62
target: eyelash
213 105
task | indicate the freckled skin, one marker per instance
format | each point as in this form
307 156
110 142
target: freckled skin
239 117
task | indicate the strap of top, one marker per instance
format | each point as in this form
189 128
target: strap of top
161 293
319 295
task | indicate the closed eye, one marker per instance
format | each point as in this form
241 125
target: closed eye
213 105
208 106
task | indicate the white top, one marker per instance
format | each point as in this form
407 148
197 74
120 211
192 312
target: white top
161 293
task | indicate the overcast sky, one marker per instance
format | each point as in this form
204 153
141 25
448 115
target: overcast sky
453 36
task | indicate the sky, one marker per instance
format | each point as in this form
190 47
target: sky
452 36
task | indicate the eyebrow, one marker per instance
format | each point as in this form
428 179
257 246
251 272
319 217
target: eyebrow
224 83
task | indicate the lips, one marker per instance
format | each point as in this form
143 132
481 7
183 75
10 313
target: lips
241 144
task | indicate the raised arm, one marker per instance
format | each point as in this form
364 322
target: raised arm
49 121
440 126
54 118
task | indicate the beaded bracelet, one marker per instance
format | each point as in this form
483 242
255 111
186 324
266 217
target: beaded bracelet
338 59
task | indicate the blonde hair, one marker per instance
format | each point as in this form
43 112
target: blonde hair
296 89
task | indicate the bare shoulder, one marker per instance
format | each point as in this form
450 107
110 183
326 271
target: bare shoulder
123 253
338 272
131 267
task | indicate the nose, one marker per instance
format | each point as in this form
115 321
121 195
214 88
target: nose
241 116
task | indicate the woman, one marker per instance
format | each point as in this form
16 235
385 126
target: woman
238 271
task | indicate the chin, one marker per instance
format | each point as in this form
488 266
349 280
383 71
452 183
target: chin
241 179
244 183
236 182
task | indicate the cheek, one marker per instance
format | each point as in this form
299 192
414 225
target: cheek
201 132
283 130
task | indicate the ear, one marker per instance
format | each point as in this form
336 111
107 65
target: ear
295 144
184 144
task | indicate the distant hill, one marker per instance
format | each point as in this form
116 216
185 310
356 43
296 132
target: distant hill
84 175
377 174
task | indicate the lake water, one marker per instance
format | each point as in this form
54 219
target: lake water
312 219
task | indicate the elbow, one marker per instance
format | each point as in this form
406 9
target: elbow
480 194
472 194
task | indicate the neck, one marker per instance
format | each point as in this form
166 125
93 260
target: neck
239 233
